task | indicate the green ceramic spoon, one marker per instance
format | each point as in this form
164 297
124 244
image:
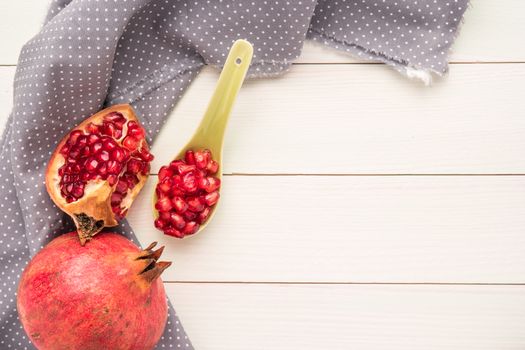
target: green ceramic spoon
210 132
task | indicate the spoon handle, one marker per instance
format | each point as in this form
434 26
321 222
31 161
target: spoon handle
215 119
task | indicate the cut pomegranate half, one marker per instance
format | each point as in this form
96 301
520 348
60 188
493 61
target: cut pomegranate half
99 168
186 192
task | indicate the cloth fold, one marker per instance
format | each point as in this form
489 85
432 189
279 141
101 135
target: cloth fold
93 53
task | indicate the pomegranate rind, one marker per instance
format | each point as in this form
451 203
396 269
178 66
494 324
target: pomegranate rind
92 212
94 297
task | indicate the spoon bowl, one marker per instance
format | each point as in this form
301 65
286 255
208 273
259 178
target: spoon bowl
210 132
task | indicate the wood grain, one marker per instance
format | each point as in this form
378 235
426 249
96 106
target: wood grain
353 229
364 119
291 317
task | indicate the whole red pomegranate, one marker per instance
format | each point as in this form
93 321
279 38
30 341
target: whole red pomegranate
99 168
105 295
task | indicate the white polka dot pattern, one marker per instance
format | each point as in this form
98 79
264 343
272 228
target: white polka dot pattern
92 53
403 33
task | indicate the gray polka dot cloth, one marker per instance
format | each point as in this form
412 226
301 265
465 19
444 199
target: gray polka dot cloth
92 53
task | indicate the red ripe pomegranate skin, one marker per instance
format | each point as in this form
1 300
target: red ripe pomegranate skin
93 297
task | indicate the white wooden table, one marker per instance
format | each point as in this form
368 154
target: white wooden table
360 210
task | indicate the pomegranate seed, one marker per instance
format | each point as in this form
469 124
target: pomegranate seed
165 215
179 204
92 139
145 168
189 215
135 130
102 156
203 215
96 147
114 167
174 165
194 204
190 157
201 159
165 172
130 143
116 198
122 187
108 128
85 177
173 232
135 166
61 170
103 169
78 190
190 228
165 185
91 165
82 141
212 167
73 137
212 184
118 154
176 191
163 204
70 199
73 154
108 144
73 169
117 209
92 128
177 221
116 118
69 188
160 224
112 179
184 168
204 183
189 182
212 198
64 150
67 178
145 155
130 179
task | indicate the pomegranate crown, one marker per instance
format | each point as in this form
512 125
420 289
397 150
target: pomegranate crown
151 267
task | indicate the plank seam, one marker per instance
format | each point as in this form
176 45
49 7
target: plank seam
353 283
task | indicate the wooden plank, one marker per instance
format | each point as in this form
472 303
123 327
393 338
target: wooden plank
492 32
229 317
19 21
364 119
353 229
358 119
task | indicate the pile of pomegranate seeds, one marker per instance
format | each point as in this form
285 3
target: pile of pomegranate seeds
186 192
95 153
